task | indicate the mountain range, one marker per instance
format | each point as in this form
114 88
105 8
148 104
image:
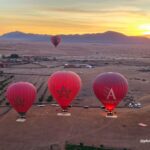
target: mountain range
106 37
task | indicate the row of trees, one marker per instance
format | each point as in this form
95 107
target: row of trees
3 85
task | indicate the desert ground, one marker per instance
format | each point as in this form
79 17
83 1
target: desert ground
90 126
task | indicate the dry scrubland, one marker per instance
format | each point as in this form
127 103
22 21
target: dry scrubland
43 127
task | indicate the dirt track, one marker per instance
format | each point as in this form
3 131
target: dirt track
43 128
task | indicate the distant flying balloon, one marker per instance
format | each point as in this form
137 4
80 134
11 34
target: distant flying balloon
55 40
21 96
110 88
64 87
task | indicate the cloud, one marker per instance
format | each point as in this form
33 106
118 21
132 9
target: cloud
74 16
134 11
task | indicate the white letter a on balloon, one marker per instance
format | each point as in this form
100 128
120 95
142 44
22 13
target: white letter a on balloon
111 94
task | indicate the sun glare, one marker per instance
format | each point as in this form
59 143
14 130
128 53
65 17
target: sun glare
145 28
147 33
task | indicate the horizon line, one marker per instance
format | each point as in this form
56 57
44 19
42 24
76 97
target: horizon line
75 33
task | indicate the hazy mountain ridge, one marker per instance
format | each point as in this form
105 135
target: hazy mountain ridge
106 37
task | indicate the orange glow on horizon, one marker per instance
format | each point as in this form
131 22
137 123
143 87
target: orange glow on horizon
69 21
52 30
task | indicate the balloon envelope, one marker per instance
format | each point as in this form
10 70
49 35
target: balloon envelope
55 40
64 86
110 88
21 96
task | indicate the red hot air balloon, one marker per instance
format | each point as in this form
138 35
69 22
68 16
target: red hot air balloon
55 40
64 86
21 96
110 88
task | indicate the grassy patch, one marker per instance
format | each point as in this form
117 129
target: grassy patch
81 146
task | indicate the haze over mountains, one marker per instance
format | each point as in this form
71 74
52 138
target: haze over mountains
106 37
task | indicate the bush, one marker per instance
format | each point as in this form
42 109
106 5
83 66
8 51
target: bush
50 98
40 99
11 76
102 146
81 146
7 103
14 56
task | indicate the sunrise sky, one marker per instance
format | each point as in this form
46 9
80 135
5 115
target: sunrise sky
131 17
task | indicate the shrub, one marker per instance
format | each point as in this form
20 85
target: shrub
49 98
7 103
14 56
40 99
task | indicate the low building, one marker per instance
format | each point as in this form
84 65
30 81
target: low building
77 66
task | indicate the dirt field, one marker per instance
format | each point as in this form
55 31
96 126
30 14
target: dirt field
90 126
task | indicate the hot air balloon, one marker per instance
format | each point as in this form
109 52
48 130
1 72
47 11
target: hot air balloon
110 88
21 96
64 87
55 40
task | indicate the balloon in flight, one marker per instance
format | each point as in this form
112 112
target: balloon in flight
55 40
